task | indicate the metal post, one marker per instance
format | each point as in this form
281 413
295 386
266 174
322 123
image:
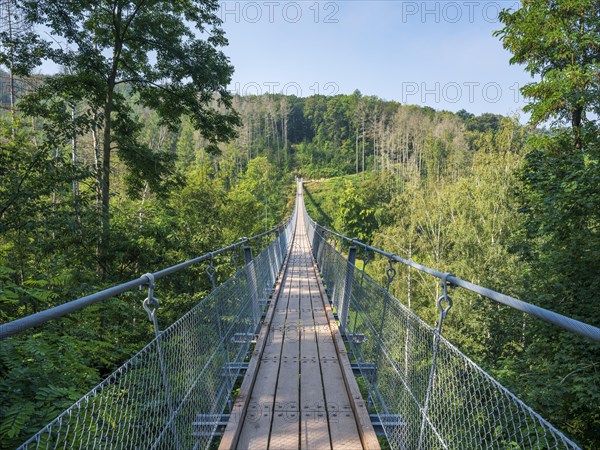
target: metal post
211 272
283 245
277 252
251 280
247 254
391 273
320 249
316 243
347 288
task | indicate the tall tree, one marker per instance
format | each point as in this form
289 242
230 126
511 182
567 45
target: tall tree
559 41
168 54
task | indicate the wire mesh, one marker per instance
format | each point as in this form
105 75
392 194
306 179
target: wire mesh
449 404
171 394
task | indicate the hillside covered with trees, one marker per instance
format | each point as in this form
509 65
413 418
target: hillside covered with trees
118 166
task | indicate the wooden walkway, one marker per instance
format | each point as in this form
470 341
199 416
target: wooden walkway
299 391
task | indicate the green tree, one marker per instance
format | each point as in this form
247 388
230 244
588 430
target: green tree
361 208
560 243
152 48
559 41
186 147
250 201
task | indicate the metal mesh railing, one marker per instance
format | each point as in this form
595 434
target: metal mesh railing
171 393
428 394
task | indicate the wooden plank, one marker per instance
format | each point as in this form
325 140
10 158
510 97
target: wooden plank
361 415
286 420
257 421
340 416
239 410
314 428
342 423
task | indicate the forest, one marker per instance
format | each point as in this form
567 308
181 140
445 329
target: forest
117 166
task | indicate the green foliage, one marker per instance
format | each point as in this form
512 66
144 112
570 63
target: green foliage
560 242
28 172
129 31
557 41
40 377
559 202
483 123
362 208
481 209
457 192
255 203
104 48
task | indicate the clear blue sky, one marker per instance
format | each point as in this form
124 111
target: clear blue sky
436 53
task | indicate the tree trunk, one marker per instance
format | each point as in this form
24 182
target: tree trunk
97 163
284 108
104 240
74 160
143 202
356 151
576 118
276 136
363 149
74 149
9 23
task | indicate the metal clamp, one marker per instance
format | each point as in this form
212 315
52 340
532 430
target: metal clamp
444 299
234 256
151 303
390 272
211 271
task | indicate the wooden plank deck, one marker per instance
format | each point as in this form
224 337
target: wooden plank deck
299 391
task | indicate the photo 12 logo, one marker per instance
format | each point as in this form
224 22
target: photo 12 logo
272 12
328 88
454 12
454 92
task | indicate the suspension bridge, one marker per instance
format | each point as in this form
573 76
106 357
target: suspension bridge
327 359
